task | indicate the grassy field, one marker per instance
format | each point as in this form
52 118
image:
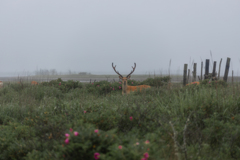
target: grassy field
72 120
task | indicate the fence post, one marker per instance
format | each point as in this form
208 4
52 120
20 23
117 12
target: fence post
199 78
226 69
219 68
201 69
185 74
188 80
214 70
206 69
194 71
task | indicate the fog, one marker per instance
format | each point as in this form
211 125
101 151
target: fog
88 35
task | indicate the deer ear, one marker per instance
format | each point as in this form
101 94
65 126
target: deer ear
120 77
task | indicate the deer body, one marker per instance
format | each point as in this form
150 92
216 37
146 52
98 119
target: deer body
125 88
134 88
34 83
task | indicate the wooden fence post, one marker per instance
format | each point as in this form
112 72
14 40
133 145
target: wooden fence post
201 69
194 72
219 68
214 70
185 74
226 69
206 69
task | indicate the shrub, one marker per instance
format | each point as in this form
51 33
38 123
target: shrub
19 87
219 83
62 85
84 141
133 82
103 87
38 92
8 94
13 141
157 81
87 142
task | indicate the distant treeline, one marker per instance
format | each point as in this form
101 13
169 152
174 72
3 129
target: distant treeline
55 72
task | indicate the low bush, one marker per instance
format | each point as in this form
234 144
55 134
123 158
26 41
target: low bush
157 81
39 92
62 85
103 87
219 83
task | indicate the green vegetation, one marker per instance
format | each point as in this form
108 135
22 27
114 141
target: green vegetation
71 120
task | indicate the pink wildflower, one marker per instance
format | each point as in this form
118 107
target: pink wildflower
146 155
71 129
92 83
120 147
131 118
60 83
76 133
137 143
67 135
209 82
119 87
119 82
96 155
132 82
66 141
84 112
147 142
96 130
143 159
113 89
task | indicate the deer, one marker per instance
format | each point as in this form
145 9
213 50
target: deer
125 88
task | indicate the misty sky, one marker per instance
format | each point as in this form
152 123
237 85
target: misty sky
88 35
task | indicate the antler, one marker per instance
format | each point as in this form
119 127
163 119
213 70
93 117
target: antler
128 76
116 71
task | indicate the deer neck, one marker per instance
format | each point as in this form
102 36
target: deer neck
124 86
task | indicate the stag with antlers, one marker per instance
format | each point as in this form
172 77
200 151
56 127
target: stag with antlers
125 88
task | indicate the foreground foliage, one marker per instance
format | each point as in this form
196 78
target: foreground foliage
70 120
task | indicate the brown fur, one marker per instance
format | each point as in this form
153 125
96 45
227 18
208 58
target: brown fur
1 84
127 89
34 83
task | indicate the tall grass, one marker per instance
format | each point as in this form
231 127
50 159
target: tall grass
192 122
